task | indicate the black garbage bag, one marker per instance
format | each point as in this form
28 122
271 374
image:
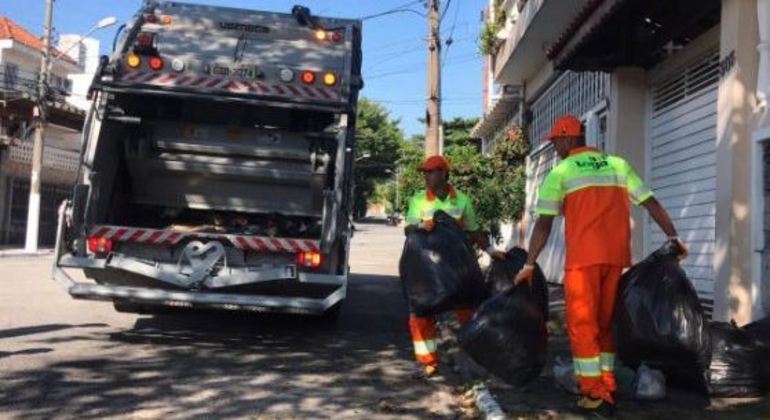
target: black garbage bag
507 336
659 320
500 274
759 331
739 366
439 270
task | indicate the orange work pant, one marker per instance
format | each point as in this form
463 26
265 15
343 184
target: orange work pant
589 294
424 334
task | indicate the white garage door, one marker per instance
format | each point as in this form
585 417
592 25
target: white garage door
682 170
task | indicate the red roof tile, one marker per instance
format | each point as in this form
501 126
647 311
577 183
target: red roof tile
11 30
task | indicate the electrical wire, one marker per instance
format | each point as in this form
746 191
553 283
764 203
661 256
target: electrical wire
398 9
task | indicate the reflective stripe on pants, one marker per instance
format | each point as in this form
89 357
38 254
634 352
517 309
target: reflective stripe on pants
424 334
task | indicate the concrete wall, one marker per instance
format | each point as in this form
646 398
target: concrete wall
734 295
626 135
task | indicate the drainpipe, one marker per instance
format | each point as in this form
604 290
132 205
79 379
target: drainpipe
761 140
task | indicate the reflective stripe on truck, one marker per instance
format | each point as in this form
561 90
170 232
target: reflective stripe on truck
229 85
169 237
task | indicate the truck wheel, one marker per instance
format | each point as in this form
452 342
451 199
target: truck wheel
332 315
126 306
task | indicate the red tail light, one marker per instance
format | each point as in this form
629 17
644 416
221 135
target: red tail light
337 36
156 63
311 259
308 77
99 245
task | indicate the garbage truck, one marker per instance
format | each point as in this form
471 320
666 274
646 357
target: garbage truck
216 164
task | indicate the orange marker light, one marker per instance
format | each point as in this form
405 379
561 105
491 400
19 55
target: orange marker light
330 79
166 20
308 77
156 63
311 259
320 34
133 61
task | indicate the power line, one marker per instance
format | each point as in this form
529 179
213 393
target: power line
398 9
398 72
446 8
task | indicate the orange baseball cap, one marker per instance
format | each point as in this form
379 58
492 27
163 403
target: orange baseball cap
567 126
434 163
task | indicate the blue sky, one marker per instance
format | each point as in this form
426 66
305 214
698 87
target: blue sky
394 45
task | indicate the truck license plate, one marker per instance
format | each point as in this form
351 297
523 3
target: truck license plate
235 71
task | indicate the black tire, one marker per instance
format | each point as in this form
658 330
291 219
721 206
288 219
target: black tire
127 307
332 315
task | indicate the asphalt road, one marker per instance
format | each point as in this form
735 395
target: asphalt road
78 359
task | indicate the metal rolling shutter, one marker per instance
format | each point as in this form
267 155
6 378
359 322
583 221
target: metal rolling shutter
682 157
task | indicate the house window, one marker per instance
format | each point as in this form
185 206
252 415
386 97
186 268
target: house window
10 75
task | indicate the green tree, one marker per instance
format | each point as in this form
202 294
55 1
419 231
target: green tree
378 148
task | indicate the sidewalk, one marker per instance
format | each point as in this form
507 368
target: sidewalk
543 399
20 252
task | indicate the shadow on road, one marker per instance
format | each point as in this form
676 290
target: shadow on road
235 365
40 329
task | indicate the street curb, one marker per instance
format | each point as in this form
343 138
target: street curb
9 253
486 403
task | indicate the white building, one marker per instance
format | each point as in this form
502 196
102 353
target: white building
20 55
86 54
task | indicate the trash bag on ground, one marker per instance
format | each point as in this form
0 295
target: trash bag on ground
439 269
650 384
759 331
507 336
739 365
500 274
659 320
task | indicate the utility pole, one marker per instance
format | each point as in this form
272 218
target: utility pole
433 139
33 213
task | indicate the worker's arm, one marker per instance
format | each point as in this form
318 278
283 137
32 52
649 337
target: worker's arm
537 242
660 216
641 195
549 205
662 219
539 238
478 237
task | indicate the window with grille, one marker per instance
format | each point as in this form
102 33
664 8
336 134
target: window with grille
572 93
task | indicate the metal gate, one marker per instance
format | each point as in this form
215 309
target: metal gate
15 220
682 162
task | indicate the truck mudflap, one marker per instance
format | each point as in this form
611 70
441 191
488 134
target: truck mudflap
192 298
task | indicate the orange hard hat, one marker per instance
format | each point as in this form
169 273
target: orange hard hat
567 126
434 163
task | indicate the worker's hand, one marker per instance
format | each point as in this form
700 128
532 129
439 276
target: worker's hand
495 253
427 225
684 252
525 274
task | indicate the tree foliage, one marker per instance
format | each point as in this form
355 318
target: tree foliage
378 147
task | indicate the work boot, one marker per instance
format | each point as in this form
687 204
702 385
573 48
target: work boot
596 406
426 372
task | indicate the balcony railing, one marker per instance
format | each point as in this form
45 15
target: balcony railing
54 158
16 82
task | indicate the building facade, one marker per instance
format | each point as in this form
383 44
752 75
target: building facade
679 89
20 54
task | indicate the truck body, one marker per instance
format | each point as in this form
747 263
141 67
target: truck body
216 167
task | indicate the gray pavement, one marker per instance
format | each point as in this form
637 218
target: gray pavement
78 359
